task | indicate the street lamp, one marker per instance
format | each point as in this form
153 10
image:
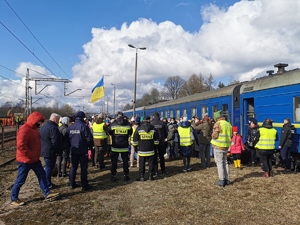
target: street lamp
114 99
135 74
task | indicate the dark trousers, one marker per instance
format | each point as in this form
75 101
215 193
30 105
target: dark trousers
285 153
50 164
160 151
114 162
204 155
62 162
23 170
99 155
236 156
142 162
266 157
77 159
253 155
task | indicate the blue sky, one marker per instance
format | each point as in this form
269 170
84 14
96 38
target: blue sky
233 40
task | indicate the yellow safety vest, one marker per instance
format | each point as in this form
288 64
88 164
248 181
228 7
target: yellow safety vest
266 139
131 137
185 136
224 139
98 131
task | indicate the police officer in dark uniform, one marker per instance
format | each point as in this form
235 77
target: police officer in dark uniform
146 138
81 139
120 131
162 130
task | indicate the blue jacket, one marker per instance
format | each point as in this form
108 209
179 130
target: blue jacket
80 137
50 139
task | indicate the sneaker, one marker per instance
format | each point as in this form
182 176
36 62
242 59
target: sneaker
17 202
64 175
51 196
184 170
87 188
52 186
59 175
227 182
73 186
189 169
220 183
140 179
126 178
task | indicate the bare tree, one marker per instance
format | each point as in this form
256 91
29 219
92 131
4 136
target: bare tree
209 82
194 85
173 86
127 107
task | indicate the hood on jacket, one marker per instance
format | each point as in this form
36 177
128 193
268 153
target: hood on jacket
35 117
121 121
146 126
65 120
268 123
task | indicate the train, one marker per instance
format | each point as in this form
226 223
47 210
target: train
275 96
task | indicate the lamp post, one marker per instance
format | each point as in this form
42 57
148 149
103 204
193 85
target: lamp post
114 99
135 74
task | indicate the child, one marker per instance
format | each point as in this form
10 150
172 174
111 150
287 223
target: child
236 147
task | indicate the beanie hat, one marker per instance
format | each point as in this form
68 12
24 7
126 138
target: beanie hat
80 114
254 121
65 120
235 129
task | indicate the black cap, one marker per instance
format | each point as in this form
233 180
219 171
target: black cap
120 114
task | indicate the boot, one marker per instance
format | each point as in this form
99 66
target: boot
184 164
188 160
151 176
270 173
238 162
235 163
266 174
140 178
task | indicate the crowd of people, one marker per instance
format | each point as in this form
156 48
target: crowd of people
72 141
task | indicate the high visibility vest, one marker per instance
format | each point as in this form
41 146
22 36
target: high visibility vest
266 139
98 131
185 136
224 139
131 137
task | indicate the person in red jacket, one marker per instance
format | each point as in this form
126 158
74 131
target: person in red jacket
28 158
236 147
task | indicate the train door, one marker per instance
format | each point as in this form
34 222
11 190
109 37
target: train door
249 111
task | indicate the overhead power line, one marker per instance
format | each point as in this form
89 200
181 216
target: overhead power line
37 40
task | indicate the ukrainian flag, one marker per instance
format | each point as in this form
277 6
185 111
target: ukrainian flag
98 91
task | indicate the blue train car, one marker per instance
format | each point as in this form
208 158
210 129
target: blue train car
276 96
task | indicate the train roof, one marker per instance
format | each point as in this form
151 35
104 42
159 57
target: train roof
220 92
271 81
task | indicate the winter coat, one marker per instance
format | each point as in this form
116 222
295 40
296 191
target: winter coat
28 140
252 136
237 145
51 140
161 129
171 136
65 138
287 135
120 140
204 131
81 138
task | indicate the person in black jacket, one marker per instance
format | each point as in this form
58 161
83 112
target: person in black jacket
81 139
252 139
146 138
120 131
162 130
51 145
63 158
286 142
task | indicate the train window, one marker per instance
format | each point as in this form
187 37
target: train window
184 112
204 111
161 114
166 114
225 111
177 114
194 111
171 113
297 109
215 108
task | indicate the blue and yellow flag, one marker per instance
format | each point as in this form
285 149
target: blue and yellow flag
98 91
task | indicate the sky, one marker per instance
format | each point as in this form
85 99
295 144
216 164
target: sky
81 41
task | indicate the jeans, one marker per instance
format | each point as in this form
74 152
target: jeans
285 154
204 155
114 162
222 165
266 157
23 170
50 164
75 160
62 163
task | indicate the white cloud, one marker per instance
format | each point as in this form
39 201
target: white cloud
239 43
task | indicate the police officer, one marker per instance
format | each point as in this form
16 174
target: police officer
81 139
120 131
145 137
100 131
162 130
